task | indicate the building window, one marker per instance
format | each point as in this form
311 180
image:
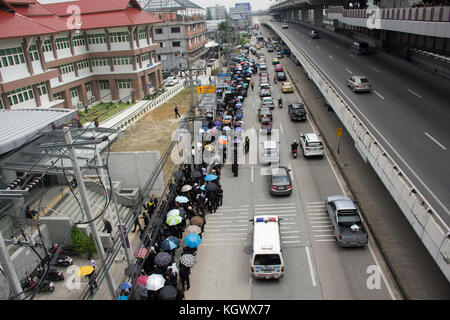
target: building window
66 68
176 44
34 55
74 92
103 84
143 34
47 46
119 37
122 60
1 104
100 62
124 83
83 64
11 57
20 95
62 43
158 31
78 40
175 30
145 57
88 86
97 38
41 88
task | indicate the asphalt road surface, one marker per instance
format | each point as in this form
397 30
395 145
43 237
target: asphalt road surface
316 268
407 111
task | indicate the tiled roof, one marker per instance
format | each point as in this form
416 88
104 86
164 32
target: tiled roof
37 19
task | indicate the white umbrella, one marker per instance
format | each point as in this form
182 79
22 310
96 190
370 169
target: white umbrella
174 220
226 128
173 212
155 282
181 199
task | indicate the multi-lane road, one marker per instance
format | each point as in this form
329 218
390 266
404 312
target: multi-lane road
316 268
407 111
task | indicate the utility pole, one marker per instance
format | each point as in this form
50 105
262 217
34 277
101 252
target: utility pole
10 272
88 211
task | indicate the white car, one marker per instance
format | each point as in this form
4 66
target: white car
171 81
285 26
311 145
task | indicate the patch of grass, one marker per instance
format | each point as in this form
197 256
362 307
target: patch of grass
106 110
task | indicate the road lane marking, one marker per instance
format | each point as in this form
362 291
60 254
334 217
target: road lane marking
351 55
310 267
275 204
281 128
317 47
252 175
348 71
415 93
437 142
331 57
378 94
375 69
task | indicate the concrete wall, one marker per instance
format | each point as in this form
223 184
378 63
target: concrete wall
423 218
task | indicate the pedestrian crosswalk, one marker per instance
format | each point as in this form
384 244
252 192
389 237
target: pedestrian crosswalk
321 227
230 225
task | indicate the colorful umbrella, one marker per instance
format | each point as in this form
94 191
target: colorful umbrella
186 188
173 212
217 123
124 286
155 282
210 177
122 298
188 260
170 243
174 220
192 240
85 270
222 140
193 229
142 280
140 253
209 148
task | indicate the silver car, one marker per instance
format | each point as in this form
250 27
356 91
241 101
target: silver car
359 83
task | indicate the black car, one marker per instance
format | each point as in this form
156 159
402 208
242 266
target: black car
280 181
360 47
297 111
281 76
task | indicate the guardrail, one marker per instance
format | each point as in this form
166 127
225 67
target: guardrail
129 116
429 226
430 14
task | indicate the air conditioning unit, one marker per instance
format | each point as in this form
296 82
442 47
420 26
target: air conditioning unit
93 99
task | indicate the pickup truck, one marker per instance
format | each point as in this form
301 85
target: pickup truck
348 226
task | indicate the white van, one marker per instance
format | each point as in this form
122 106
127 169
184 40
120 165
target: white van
269 152
266 260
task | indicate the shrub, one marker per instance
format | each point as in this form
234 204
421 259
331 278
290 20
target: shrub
91 249
79 241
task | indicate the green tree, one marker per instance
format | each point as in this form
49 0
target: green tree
91 249
79 241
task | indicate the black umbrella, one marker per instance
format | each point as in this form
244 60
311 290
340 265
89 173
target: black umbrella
168 292
212 187
163 259
179 175
196 174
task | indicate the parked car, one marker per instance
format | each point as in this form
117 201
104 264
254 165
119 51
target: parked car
281 76
348 227
360 47
313 34
268 103
280 182
264 111
287 87
359 83
171 81
297 111
311 145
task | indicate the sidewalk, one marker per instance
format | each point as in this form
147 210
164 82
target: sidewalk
413 268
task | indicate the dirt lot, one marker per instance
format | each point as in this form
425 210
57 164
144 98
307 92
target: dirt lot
154 130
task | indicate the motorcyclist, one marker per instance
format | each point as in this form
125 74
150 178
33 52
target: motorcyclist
252 84
294 146
280 102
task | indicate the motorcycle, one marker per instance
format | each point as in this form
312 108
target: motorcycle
294 153
62 260
52 275
280 104
30 284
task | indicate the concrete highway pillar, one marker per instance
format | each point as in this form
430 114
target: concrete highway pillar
318 16
304 15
